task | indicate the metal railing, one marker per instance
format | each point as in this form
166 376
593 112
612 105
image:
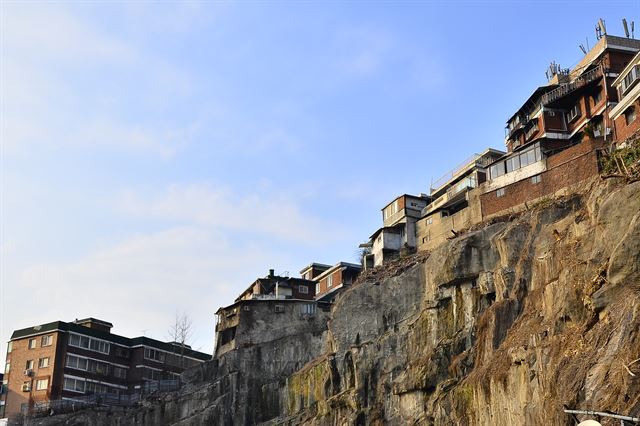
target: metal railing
439 183
567 88
62 406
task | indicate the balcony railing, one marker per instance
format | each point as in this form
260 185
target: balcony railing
565 89
436 185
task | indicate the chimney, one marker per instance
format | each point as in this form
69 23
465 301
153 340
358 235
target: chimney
271 273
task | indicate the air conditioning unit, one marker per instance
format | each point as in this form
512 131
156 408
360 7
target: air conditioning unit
28 372
26 387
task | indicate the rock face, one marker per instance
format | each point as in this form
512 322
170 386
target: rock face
501 326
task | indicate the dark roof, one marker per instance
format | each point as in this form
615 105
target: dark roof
271 281
99 334
395 227
169 347
536 94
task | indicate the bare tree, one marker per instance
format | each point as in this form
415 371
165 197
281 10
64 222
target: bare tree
180 333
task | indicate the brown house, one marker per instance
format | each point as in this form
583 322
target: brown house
276 287
69 360
334 279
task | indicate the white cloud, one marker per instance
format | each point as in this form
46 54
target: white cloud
141 282
66 84
268 213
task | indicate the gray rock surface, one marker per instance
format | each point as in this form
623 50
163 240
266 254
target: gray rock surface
501 326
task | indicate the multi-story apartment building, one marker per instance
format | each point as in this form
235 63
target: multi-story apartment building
574 101
454 204
399 228
553 138
67 360
625 113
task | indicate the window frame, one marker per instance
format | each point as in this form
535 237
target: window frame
39 384
33 343
48 339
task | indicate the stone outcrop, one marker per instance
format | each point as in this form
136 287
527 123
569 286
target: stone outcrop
501 326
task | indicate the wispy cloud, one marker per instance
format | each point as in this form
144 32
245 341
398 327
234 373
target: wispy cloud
141 281
271 213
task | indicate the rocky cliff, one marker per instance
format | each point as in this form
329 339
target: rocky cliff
501 326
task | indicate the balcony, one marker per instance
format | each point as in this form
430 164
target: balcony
474 160
574 85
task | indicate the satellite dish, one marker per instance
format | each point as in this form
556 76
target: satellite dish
626 29
589 423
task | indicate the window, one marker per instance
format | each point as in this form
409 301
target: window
429 221
47 340
513 164
630 79
42 384
74 385
574 113
596 98
32 343
121 352
77 362
500 192
43 362
308 308
29 365
317 288
497 170
535 179
88 343
329 280
9 346
120 373
303 289
7 367
153 354
26 386
92 387
630 115
151 374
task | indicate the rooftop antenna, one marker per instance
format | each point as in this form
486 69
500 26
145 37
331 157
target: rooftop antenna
583 49
602 26
626 28
632 25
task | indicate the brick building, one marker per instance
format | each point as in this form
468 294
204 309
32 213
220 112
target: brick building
574 101
67 360
454 205
553 139
335 279
278 287
625 113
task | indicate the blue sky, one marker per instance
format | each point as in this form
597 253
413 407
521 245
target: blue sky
158 157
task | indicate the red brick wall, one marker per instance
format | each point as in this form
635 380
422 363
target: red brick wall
337 279
563 169
622 130
18 357
297 294
553 123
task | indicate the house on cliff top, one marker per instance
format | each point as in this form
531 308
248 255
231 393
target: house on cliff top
398 231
